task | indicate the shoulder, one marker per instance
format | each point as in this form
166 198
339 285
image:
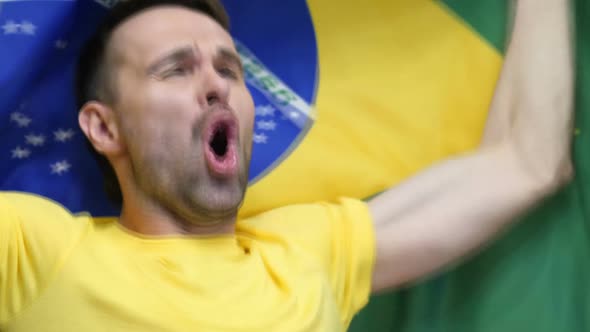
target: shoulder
300 215
26 203
37 216
39 234
318 227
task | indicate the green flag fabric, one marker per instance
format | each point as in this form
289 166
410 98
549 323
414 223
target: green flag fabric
535 276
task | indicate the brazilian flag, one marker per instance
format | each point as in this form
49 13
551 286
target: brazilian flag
352 97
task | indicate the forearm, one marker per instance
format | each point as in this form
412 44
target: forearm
520 74
500 118
540 59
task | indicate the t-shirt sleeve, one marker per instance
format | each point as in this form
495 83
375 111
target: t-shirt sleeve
36 235
341 236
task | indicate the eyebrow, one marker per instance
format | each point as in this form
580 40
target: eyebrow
173 56
228 55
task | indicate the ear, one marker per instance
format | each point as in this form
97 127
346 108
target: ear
97 121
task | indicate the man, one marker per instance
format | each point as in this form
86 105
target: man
163 99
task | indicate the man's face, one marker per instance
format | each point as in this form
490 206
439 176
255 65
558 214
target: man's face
184 111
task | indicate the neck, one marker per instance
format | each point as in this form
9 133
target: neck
149 218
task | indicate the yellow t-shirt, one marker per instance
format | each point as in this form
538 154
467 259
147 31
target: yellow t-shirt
298 268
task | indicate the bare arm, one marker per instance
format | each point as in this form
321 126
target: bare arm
453 208
500 114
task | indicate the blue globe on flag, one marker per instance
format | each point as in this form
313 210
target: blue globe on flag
44 150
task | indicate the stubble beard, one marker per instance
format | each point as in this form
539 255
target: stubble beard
192 197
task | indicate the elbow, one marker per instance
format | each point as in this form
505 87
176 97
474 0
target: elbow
559 176
541 173
548 179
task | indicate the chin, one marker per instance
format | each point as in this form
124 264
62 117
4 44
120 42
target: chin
217 202
223 207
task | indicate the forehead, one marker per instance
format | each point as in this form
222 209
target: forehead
153 31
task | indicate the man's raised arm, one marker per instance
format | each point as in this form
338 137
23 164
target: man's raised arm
451 209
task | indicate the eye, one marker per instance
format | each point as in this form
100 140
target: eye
228 72
178 70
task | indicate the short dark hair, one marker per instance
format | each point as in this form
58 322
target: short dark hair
92 81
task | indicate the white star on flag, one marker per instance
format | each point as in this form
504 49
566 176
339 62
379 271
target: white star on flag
28 28
260 138
10 27
265 110
20 153
23 122
20 119
14 116
35 140
61 44
63 135
60 167
293 115
266 125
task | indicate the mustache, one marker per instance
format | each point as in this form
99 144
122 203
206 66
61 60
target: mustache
200 123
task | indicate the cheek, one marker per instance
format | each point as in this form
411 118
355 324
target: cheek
161 122
169 107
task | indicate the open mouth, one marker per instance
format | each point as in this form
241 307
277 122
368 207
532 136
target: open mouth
221 146
219 140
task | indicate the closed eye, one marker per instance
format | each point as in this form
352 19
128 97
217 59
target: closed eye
177 70
177 63
228 73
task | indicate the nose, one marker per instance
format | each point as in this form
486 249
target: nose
216 87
